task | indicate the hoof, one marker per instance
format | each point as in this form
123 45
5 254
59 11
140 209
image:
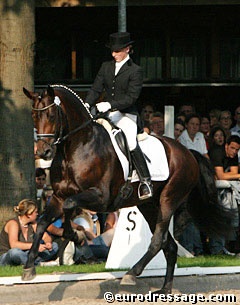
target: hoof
29 274
128 279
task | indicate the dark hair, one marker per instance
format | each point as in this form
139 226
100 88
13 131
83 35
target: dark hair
180 122
205 115
180 114
212 133
233 138
191 116
187 104
40 172
157 114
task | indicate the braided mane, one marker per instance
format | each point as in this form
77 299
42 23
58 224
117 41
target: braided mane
75 94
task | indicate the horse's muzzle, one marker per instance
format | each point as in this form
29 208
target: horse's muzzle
46 154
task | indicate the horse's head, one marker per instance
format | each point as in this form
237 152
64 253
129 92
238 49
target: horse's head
45 110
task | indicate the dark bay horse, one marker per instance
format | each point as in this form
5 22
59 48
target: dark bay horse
86 172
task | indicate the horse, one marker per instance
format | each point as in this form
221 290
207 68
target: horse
86 172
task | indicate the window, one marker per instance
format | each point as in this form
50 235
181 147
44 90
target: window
230 58
188 58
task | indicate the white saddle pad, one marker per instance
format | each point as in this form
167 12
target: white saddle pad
154 150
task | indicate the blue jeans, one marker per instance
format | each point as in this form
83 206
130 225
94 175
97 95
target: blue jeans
16 256
100 251
83 251
216 245
191 239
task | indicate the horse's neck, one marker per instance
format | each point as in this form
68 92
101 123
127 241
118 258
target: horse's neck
75 117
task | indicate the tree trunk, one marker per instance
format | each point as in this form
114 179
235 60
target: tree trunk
17 38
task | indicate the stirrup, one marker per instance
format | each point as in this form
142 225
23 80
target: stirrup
149 191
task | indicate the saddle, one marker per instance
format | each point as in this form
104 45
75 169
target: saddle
126 190
152 149
120 138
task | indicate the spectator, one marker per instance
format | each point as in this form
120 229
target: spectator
217 137
205 128
147 111
157 124
80 252
225 161
98 243
214 116
16 237
226 122
191 137
180 116
40 178
187 108
236 128
111 221
179 127
46 196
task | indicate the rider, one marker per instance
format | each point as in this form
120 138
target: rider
122 80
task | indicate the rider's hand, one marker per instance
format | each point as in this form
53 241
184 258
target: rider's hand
103 106
87 105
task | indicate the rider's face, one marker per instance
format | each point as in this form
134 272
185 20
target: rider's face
120 55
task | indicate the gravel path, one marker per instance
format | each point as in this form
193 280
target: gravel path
92 292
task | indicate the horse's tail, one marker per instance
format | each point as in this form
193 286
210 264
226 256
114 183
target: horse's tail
203 203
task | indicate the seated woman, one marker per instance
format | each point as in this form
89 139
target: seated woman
17 236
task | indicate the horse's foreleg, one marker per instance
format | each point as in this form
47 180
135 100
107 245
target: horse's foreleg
29 271
159 238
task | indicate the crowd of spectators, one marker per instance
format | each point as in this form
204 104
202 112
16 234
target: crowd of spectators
216 135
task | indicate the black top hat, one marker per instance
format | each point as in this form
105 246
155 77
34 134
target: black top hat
119 40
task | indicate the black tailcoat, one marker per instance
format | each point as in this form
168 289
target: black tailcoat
122 90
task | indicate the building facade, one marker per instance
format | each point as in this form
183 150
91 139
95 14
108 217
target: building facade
189 50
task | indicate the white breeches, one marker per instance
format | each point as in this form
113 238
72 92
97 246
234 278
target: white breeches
128 123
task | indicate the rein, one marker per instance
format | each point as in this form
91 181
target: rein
59 140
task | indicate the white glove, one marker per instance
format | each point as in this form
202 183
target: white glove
103 106
87 105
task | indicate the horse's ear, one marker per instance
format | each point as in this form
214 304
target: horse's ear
50 91
28 93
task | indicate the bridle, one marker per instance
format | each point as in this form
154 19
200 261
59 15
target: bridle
58 136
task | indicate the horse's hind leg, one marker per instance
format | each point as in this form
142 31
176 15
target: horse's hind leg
170 251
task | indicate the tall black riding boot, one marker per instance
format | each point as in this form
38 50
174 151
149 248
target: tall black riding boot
145 189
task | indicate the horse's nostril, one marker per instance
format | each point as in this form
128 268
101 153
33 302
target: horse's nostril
47 151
